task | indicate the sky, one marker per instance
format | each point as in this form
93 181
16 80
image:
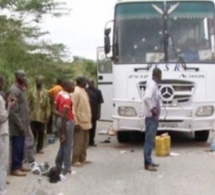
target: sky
82 31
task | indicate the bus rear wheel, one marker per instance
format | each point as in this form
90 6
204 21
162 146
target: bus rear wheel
123 136
201 136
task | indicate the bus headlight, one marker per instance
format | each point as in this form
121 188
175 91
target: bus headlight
126 111
205 111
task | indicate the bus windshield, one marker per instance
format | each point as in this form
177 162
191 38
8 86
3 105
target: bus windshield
139 32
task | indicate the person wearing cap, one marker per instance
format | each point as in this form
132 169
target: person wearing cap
152 107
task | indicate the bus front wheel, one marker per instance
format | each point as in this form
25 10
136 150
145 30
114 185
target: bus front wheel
123 136
201 136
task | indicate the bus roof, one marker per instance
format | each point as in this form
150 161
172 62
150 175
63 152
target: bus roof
132 1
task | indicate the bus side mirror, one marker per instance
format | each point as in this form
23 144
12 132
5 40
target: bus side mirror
107 41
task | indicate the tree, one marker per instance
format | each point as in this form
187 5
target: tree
19 35
86 67
21 48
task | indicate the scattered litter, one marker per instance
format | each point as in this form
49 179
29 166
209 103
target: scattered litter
132 150
106 141
112 132
51 139
160 176
39 180
104 132
62 177
40 169
208 150
123 151
73 172
37 192
174 154
212 146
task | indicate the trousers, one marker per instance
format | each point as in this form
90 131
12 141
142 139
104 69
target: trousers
65 150
81 141
4 162
150 133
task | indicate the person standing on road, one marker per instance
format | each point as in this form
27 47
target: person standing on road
19 125
82 116
65 126
96 100
4 137
152 112
39 105
52 94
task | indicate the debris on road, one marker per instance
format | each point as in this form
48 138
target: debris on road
123 151
160 176
103 132
174 154
212 146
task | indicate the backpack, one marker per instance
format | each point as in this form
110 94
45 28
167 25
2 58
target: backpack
54 175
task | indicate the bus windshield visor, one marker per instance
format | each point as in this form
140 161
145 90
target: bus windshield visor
161 32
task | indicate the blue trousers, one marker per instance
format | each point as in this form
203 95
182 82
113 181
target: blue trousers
17 156
151 125
65 151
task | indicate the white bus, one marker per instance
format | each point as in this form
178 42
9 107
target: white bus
176 36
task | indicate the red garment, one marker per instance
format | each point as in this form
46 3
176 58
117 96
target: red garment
63 100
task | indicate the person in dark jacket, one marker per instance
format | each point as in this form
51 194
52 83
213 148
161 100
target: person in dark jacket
96 100
19 124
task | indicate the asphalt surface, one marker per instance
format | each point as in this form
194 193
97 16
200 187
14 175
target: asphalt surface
117 169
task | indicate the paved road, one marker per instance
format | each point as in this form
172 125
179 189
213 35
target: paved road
117 169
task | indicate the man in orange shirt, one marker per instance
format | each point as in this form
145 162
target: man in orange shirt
55 89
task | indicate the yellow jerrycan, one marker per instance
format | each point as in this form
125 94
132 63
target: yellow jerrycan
162 145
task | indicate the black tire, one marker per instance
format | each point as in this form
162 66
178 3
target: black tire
123 136
201 136
137 136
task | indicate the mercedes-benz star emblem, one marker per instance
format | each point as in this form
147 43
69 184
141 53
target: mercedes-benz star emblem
167 93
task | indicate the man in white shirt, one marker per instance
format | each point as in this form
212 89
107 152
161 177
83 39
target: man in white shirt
152 112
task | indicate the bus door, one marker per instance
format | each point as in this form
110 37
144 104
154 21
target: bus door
105 83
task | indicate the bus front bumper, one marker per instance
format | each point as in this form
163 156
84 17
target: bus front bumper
201 116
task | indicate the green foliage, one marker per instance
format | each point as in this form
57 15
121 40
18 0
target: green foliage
82 66
20 48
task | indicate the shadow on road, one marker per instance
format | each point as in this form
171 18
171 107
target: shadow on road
178 140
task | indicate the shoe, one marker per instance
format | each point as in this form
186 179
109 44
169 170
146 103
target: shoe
93 145
40 152
77 164
87 162
25 169
18 173
150 168
155 165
